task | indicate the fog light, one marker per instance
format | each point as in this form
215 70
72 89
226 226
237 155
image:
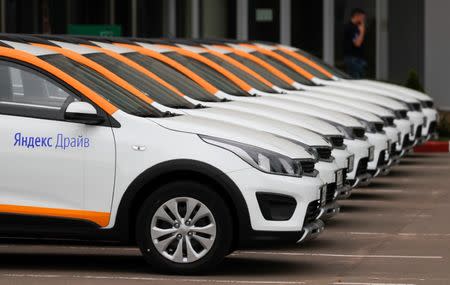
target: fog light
276 207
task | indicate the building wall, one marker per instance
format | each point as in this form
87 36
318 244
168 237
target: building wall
406 39
437 51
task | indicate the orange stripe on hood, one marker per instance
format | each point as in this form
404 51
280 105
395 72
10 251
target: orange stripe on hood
99 218
172 63
307 61
241 66
261 62
100 69
282 59
236 80
34 60
136 66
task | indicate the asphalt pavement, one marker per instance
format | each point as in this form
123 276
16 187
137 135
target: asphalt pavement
396 231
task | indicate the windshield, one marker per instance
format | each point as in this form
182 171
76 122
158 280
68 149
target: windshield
112 92
209 74
327 67
283 68
172 76
261 71
303 65
248 78
145 84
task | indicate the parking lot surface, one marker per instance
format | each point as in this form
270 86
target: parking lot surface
396 231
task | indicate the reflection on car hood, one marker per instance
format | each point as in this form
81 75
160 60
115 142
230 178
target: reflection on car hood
213 128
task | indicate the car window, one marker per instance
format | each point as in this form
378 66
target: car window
105 88
25 92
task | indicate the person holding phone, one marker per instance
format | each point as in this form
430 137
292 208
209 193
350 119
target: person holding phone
354 35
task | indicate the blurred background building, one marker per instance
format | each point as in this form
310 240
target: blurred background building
405 38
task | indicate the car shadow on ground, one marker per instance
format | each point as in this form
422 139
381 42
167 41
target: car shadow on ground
125 264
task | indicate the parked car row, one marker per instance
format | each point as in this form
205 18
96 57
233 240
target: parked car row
189 149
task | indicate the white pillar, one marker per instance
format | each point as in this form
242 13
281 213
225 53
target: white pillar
328 31
285 22
382 40
134 18
242 19
195 18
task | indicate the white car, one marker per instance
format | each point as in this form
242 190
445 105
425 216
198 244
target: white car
415 100
374 127
359 148
281 82
221 111
329 171
87 159
415 114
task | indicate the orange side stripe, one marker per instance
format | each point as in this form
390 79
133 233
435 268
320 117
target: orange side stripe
34 60
282 59
261 62
172 63
136 66
236 80
307 61
241 66
99 218
100 69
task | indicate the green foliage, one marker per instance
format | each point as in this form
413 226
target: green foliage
413 81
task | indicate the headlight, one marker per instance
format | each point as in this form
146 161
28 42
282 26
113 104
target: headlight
262 159
351 163
347 132
370 127
371 153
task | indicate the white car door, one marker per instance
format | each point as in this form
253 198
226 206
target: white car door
50 167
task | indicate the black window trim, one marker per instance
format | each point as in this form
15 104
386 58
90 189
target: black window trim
109 120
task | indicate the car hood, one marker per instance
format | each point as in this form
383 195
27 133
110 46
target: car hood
309 109
261 123
214 128
366 88
363 95
338 107
397 88
279 114
355 103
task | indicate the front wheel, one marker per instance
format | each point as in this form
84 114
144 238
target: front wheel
184 228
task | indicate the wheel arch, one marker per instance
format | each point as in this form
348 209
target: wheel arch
168 171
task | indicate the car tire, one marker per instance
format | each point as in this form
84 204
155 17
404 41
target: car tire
172 244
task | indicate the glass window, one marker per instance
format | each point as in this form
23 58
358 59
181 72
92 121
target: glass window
248 78
186 85
112 92
24 92
262 71
209 74
145 84
283 68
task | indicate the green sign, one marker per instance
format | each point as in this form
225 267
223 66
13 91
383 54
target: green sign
96 30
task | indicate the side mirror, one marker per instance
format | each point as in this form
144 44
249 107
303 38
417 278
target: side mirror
83 113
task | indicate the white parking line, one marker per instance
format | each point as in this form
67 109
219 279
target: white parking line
369 283
339 255
217 281
394 234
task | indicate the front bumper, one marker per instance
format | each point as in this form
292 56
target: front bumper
312 231
345 191
329 211
304 190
